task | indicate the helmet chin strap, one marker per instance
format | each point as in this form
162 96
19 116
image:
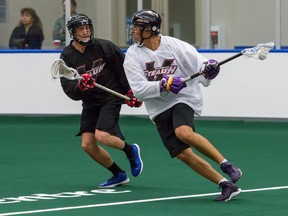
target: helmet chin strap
83 43
140 44
80 40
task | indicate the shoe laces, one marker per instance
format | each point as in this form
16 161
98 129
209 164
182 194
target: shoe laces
115 176
227 168
111 178
223 185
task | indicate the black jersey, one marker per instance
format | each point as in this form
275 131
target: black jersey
104 60
20 39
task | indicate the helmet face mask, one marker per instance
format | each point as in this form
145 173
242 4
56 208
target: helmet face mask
76 21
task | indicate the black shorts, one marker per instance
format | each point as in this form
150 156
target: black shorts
104 118
166 122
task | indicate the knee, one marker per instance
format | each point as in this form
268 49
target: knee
184 155
102 137
182 135
87 146
185 134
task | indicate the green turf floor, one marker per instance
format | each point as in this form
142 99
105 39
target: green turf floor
40 156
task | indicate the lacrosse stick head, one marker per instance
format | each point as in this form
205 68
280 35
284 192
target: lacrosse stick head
260 51
60 69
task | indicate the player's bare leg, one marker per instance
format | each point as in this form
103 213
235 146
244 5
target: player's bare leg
201 144
202 167
96 152
199 165
132 151
187 135
101 156
109 140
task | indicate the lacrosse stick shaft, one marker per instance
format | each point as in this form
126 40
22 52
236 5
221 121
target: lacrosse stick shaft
220 63
112 92
231 58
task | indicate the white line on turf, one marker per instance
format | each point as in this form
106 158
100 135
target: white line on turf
134 201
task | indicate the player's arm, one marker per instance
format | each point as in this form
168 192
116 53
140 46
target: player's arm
72 88
115 58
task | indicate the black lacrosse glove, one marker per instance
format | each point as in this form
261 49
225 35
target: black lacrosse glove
133 102
211 69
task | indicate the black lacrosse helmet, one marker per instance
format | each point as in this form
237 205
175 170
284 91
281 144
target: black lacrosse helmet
79 20
145 17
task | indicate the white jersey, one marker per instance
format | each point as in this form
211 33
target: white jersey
144 69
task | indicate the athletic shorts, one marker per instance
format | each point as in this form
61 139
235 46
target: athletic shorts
168 121
104 118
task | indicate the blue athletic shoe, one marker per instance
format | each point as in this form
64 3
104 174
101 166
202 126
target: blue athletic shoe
229 190
136 163
234 172
120 179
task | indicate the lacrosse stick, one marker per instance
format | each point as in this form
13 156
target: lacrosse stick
60 69
260 51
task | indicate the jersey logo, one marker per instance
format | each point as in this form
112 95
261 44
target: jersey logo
155 73
97 67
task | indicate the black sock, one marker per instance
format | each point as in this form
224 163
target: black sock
115 169
128 150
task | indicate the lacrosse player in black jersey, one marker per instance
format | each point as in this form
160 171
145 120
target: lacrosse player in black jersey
99 61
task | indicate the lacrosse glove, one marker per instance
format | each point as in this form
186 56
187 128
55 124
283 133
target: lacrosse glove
211 69
173 84
86 82
133 102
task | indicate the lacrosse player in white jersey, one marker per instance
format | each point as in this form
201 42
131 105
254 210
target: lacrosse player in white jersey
154 66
